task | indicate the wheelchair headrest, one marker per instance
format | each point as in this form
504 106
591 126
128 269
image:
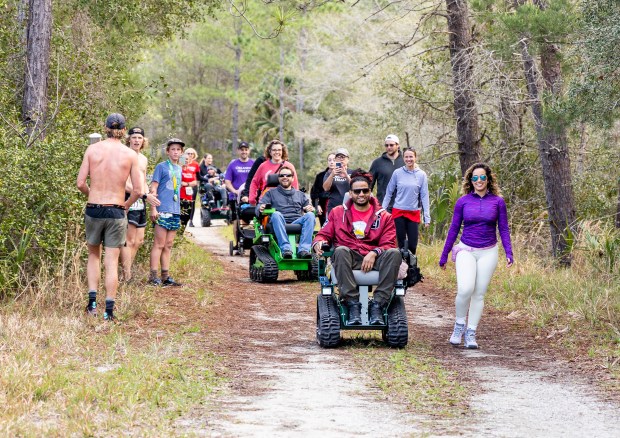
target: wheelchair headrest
272 180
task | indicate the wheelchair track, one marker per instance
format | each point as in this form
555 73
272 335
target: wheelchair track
284 384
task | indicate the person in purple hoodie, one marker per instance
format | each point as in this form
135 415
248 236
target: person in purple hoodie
482 211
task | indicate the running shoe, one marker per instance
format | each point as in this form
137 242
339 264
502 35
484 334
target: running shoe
457 334
155 282
170 282
470 339
109 317
91 310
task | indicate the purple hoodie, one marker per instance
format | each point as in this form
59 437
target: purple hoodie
481 218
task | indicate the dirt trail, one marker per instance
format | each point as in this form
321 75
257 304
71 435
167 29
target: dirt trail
285 385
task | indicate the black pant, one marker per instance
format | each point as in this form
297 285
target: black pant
186 207
406 229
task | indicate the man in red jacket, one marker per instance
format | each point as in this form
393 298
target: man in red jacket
364 237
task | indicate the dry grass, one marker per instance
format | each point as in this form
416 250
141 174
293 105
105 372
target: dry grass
63 374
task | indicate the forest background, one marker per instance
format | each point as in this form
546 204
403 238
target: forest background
530 86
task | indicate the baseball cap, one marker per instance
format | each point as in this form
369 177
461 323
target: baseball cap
393 138
136 130
243 144
342 151
115 121
175 141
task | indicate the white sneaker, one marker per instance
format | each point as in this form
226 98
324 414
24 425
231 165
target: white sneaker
470 339
457 334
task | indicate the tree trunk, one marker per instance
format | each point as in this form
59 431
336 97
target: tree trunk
281 96
553 150
39 35
301 102
465 110
236 83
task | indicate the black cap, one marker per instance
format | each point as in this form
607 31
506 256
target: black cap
175 141
115 121
136 130
243 144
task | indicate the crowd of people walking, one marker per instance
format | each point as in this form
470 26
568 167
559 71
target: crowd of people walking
113 177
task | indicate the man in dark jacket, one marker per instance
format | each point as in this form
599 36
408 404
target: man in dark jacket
292 207
364 237
383 167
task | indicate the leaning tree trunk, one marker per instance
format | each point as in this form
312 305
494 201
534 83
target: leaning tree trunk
38 41
236 84
553 150
465 110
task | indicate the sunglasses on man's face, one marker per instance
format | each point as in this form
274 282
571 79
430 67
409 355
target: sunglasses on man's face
476 177
358 191
285 175
387 145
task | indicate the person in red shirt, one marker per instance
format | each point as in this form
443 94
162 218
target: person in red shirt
189 186
364 237
276 154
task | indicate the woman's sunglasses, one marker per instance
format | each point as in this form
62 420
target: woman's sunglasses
475 178
358 191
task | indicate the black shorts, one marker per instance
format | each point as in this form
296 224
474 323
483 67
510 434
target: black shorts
137 218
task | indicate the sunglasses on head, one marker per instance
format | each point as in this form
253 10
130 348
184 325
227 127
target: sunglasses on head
285 175
475 178
358 191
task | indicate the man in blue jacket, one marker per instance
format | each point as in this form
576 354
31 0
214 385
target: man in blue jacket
292 207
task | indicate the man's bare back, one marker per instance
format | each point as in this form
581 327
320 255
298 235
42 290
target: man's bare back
142 165
109 164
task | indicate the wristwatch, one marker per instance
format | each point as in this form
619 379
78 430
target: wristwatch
144 196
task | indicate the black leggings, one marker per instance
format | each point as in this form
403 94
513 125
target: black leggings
406 229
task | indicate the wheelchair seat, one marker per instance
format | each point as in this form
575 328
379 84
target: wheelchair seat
370 278
290 228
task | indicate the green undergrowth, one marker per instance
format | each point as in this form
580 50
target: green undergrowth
63 374
577 308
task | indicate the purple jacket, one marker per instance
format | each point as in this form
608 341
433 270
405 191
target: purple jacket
481 218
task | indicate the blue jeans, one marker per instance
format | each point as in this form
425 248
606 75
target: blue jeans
307 222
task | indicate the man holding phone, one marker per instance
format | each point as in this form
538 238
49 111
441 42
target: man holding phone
337 180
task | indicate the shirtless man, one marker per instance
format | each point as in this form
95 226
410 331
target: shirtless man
137 215
108 163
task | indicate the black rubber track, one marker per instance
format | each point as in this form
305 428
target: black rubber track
397 332
268 272
327 321
205 217
310 274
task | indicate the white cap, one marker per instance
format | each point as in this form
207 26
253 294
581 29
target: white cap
393 138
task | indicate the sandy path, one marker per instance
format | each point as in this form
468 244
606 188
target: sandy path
285 385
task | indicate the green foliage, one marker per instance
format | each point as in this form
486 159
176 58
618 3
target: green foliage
41 208
594 92
445 189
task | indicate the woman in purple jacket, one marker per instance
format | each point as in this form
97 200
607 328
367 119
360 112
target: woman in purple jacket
482 211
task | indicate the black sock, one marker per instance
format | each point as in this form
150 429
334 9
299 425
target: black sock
109 306
164 274
92 298
153 274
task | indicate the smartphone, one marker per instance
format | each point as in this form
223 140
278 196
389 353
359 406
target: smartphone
338 164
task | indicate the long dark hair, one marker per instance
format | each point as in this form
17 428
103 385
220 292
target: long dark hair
492 185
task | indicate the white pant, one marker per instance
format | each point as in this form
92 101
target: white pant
474 270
